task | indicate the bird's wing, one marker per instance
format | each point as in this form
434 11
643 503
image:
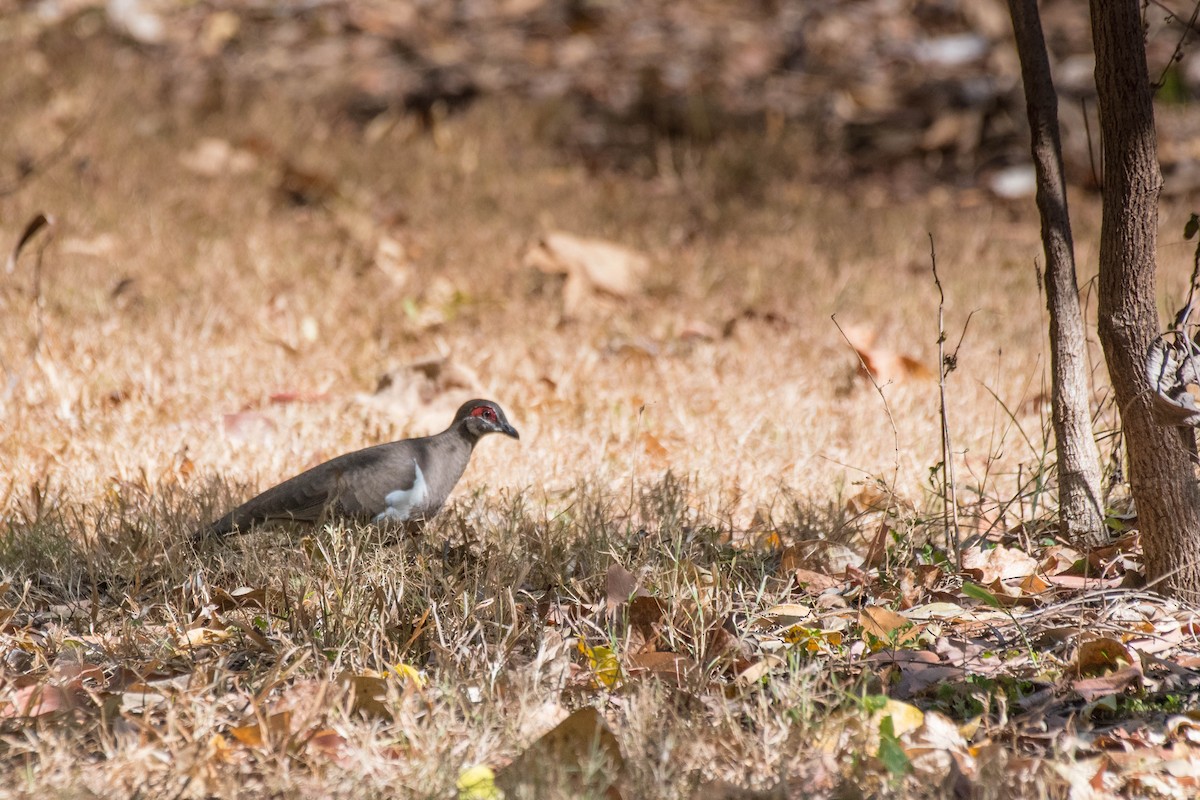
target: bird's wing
392 488
346 484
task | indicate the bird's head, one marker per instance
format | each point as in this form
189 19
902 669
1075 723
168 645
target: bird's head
481 417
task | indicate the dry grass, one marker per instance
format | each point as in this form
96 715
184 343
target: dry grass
172 299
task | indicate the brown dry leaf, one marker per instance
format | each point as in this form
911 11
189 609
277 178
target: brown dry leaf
877 550
755 672
589 265
201 637
1098 656
654 448
673 668
885 365
818 555
261 733
577 741
1091 689
788 614
1058 558
645 615
1185 727
813 583
997 564
1032 584
724 648
368 694
883 622
38 700
870 498
328 742
242 597
620 585
1084 583
606 266
935 745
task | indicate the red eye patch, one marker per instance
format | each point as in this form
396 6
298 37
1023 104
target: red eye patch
485 412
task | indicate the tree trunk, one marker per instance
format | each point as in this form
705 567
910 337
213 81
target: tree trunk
1160 472
1081 516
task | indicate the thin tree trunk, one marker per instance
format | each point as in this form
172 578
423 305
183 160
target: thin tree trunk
1081 517
1160 472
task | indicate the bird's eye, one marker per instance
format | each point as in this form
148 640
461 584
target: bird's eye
486 412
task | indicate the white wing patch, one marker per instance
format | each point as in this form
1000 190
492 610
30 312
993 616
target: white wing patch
402 502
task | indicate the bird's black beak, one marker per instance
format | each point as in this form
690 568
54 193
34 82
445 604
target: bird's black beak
509 430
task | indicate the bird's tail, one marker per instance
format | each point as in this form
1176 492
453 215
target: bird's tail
221 528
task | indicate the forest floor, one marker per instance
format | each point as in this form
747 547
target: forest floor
717 563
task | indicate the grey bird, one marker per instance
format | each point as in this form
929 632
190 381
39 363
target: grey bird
405 482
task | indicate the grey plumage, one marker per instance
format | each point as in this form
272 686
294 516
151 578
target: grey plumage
406 481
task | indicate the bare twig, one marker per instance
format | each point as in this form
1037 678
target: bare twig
946 365
1188 27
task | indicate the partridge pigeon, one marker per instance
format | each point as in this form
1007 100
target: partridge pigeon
404 482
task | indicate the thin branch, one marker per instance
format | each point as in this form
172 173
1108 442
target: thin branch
1188 27
949 488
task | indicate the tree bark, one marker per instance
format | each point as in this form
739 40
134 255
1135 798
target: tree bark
1160 471
1081 516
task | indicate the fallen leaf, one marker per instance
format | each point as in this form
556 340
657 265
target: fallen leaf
620 585
883 622
787 614
478 783
261 733
654 448
328 742
201 637
1097 656
885 365
1092 689
813 583
573 746
755 672
673 668
606 668
997 564
589 265
38 700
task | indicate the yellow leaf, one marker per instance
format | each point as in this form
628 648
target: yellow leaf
478 783
407 672
813 640
201 637
604 664
905 718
